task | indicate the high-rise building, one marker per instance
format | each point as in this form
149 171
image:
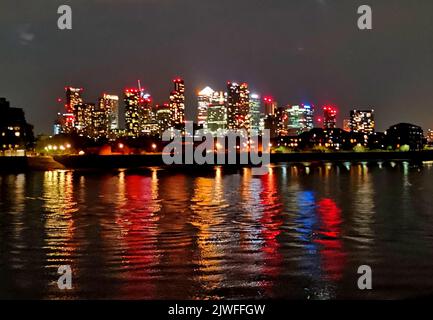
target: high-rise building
238 106
65 123
329 117
177 103
272 123
362 121
299 119
216 122
255 106
148 119
73 98
163 117
15 133
204 100
100 122
133 112
270 106
110 105
84 119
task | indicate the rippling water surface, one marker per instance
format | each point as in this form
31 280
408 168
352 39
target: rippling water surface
300 232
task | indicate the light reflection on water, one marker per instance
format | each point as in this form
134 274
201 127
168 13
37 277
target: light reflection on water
299 232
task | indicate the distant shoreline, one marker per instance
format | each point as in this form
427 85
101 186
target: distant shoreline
44 163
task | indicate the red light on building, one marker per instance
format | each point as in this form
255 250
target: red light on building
329 117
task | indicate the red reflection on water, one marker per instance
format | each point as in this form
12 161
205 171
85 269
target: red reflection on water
271 221
139 234
334 257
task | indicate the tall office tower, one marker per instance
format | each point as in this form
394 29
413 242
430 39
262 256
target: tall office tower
299 119
177 103
272 123
204 100
100 123
65 123
133 112
216 121
255 106
238 106
148 124
329 117
84 117
163 117
282 121
110 105
270 106
362 121
73 97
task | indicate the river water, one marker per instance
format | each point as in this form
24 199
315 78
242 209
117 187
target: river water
299 232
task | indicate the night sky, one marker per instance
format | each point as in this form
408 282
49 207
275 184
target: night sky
299 51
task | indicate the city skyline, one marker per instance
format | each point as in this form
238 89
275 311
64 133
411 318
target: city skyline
321 61
242 109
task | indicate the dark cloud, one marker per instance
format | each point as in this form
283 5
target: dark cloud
295 50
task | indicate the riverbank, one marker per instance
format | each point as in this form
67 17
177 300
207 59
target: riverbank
23 163
42 163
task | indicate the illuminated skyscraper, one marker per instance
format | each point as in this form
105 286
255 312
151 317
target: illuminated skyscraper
163 117
217 114
110 105
148 119
272 119
73 98
204 100
329 117
238 106
255 106
177 103
299 119
100 122
270 106
362 121
84 117
133 112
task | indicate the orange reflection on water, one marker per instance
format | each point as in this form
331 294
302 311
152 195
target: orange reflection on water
207 201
